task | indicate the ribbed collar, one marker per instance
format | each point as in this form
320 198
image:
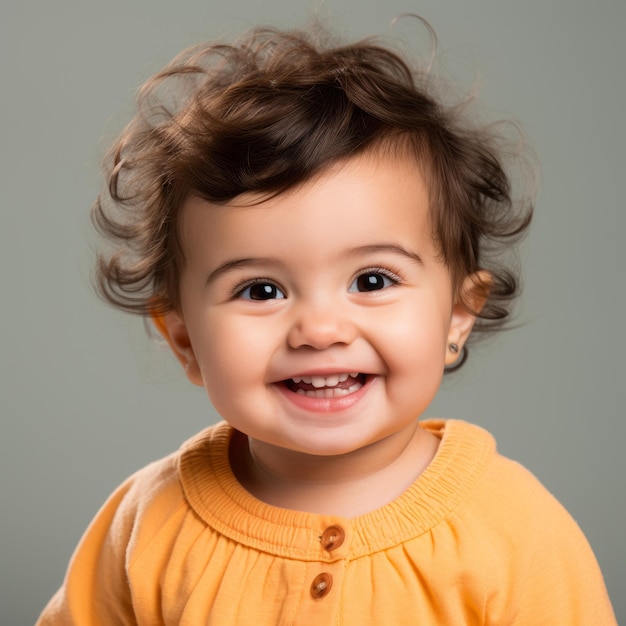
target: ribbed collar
216 496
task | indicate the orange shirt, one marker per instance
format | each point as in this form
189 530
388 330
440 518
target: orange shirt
475 540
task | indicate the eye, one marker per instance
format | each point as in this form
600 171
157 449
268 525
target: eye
259 290
373 280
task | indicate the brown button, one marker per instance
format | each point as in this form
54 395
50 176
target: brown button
332 538
321 585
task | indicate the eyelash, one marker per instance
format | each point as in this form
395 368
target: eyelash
383 271
239 288
388 273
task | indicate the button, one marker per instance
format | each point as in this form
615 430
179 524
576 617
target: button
321 585
332 538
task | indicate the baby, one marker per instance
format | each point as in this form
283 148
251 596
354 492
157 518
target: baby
316 235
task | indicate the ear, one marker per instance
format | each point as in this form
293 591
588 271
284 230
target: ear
174 330
472 297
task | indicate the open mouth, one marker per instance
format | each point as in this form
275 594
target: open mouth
333 386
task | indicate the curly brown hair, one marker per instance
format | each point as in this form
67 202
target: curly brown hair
269 111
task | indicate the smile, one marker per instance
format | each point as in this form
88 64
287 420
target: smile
333 386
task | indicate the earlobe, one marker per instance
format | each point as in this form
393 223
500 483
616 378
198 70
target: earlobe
174 330
461 326
473 295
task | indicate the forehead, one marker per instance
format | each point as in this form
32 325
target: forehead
365 198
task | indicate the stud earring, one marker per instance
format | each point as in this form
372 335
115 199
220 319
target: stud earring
459 359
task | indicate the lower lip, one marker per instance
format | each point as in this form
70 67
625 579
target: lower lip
326 405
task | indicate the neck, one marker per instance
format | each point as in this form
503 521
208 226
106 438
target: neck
346 485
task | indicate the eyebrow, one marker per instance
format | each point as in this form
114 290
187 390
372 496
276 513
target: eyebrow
394 248
234 264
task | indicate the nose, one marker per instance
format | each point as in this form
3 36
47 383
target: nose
320 325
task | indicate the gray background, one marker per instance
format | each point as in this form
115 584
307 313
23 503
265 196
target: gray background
86 398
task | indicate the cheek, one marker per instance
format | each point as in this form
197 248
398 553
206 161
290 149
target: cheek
414 353
416 370
422 332
232 355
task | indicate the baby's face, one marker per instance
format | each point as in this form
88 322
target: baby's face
318 320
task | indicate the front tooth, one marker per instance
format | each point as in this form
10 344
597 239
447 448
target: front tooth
331 381
324 381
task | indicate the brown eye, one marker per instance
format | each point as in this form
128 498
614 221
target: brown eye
261 291
371 281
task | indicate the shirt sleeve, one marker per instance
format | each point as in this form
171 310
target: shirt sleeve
564 585
95 591
548 574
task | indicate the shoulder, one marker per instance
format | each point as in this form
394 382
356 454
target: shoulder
138 524
504 511
529 550
504 493
153 497
498 483
516 497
